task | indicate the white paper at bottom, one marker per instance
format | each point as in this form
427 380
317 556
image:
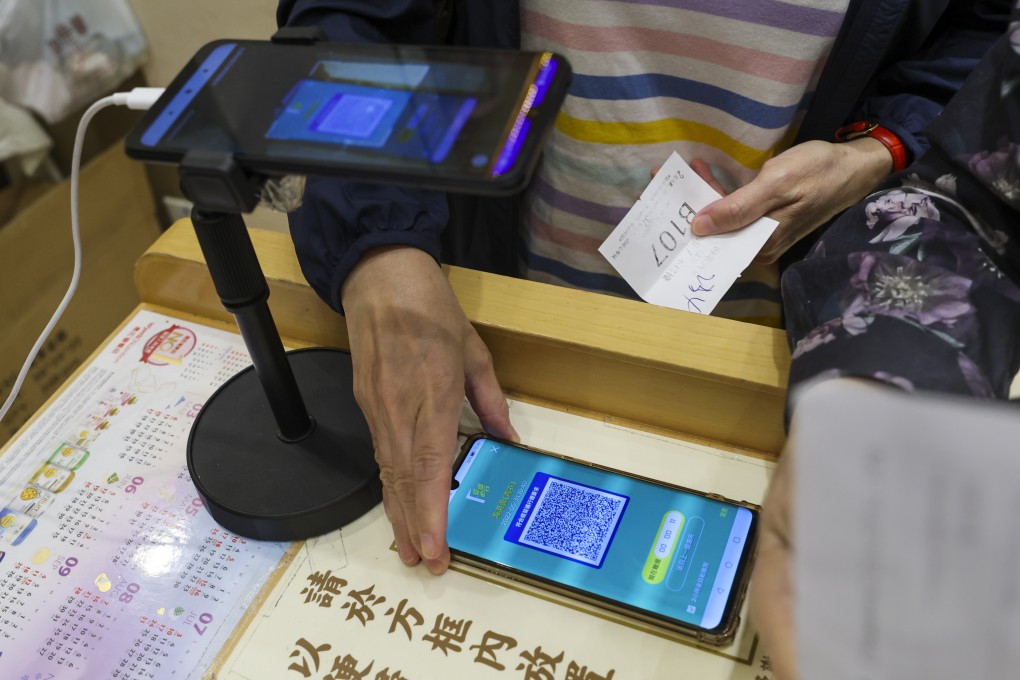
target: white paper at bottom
907 542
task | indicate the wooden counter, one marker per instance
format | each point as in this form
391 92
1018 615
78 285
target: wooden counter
693 376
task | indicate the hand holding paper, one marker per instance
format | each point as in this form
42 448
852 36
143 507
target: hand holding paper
803 188
655 251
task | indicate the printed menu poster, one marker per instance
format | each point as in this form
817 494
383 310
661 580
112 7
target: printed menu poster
110 566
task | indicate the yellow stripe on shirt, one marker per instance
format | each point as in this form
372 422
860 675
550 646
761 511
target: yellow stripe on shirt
669 130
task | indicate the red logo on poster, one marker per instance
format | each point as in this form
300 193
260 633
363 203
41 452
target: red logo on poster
169 346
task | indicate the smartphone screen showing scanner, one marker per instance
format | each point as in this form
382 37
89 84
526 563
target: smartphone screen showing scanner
453 118
666 554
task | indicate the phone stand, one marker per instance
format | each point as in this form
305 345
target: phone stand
282 450
265 465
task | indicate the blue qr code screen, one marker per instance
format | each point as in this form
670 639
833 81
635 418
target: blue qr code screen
352 115
567 519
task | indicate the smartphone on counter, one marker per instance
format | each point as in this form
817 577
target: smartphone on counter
673 557
458 119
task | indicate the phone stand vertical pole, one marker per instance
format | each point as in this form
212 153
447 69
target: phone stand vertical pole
243 290
281 451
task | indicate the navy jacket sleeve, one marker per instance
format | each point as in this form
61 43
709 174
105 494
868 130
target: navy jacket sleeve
907 95
898 62
341 220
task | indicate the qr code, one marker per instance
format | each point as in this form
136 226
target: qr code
574 521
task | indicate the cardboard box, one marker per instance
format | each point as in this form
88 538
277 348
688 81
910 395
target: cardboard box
36 260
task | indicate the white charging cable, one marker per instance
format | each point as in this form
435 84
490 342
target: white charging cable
140 98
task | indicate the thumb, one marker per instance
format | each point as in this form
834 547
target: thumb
733 212
484 393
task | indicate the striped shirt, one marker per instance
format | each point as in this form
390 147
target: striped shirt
724 81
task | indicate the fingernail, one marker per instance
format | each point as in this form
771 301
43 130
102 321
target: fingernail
429 550
516 437
703 225
436 567
407 555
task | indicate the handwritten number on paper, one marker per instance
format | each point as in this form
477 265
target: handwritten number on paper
666 238
686 213
667 241
702 284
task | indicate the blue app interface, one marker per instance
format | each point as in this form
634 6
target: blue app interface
627 540
398 121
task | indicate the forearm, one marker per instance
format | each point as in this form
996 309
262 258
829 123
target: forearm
339 220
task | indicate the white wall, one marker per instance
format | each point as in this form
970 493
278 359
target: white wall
177 28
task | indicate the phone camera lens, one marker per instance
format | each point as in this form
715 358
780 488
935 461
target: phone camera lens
454 485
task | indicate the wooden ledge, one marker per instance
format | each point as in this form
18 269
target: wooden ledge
691 374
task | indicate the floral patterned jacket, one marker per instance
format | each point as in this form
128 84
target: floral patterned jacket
919 285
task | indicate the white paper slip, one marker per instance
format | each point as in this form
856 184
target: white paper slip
655 251
906 537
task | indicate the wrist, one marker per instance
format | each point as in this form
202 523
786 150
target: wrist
378 269
858 132
381 269
871 158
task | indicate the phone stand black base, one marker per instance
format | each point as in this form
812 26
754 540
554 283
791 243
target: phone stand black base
258 485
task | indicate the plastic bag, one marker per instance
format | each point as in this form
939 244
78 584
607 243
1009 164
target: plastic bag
59 55
22 140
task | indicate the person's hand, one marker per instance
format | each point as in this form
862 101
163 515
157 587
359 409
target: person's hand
415 355
801 188
771 597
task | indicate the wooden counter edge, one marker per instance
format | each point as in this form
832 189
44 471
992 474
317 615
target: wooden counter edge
702 376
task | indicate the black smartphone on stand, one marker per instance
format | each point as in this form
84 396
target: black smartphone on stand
672 557
456 119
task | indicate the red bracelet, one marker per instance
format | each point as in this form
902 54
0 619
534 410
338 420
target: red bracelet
865 129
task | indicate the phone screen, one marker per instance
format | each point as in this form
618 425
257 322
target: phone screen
306 108
672 554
